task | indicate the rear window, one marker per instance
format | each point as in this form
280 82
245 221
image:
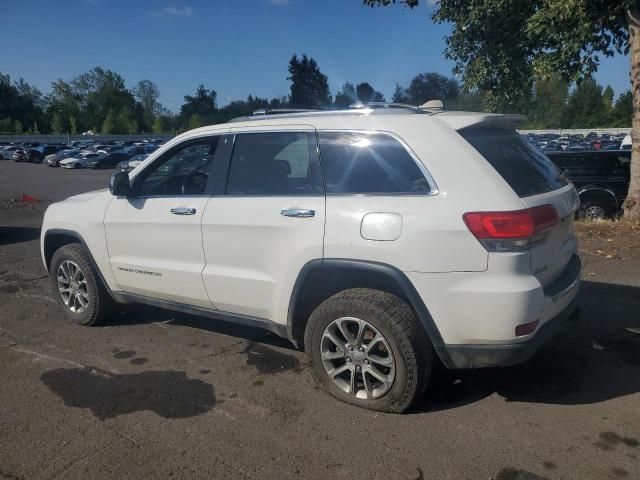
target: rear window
526 169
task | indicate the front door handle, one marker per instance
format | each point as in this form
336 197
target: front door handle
183 211
298 212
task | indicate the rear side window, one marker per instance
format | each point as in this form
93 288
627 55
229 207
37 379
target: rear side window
526 169
280 163
369 163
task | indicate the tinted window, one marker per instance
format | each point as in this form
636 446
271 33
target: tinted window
280 163
369 163
526 169
594 163
182 171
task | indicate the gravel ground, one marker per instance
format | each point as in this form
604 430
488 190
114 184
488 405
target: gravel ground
156 394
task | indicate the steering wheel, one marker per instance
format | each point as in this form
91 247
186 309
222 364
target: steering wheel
194 183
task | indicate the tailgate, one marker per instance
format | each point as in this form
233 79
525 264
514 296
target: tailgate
550 257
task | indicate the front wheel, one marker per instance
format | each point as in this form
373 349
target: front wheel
76 286
367 348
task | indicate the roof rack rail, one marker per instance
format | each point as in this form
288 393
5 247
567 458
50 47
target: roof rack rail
272 111
405 106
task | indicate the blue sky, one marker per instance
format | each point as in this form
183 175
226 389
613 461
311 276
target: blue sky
235 47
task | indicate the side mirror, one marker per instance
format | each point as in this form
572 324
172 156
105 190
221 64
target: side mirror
119 185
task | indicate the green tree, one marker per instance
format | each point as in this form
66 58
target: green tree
346 96
6 125
57 124
549 101
109 124
622 110
17 126
432 86
309 86
147 93
158 125
585 107
21 101
500 45
195 121
366 93
203 103
73 127
400 95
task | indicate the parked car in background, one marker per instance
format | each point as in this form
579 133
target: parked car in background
6 152
626 143
109 161
81 160
20 155
53 160
133 162
601 178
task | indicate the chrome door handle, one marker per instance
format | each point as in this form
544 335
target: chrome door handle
183 211
298 212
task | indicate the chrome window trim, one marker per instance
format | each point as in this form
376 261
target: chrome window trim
434 190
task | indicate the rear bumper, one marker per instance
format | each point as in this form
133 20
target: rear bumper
561 293
504 355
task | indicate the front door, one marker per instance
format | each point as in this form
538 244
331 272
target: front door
154 237
267 225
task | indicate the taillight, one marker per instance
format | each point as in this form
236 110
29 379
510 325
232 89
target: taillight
511 231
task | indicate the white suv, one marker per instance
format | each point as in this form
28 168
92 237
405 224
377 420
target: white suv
379 239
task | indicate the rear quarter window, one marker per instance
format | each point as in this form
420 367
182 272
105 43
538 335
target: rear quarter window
526 169
369 163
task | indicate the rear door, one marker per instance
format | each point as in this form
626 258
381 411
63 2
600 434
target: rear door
267 225
537 181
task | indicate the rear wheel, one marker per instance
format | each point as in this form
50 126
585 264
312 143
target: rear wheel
367 348
594 209
77 287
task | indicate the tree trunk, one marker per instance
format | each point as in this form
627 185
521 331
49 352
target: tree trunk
632 203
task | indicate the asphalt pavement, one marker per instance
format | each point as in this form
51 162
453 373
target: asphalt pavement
155 394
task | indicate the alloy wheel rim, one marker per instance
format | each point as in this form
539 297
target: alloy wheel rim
72 286
357 358
595 212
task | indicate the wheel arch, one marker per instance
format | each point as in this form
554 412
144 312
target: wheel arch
321 278
56 238
595 191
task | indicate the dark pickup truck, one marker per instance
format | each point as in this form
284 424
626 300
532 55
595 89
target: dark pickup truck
601 178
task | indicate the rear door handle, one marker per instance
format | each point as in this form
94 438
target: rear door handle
183 211
298 212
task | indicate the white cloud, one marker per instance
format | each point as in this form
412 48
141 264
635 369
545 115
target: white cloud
172 11
184 11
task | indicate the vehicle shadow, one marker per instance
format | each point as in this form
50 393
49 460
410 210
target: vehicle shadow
144 314
592 360
11 235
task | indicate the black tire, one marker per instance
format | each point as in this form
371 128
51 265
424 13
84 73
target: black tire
100 304
594 209
398 324
77 165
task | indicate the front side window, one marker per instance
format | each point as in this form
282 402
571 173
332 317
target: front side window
184 170
368 163
274 163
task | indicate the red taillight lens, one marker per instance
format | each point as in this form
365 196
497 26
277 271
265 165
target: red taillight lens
511 231
484 225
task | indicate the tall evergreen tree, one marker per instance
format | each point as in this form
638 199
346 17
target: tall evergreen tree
309 86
